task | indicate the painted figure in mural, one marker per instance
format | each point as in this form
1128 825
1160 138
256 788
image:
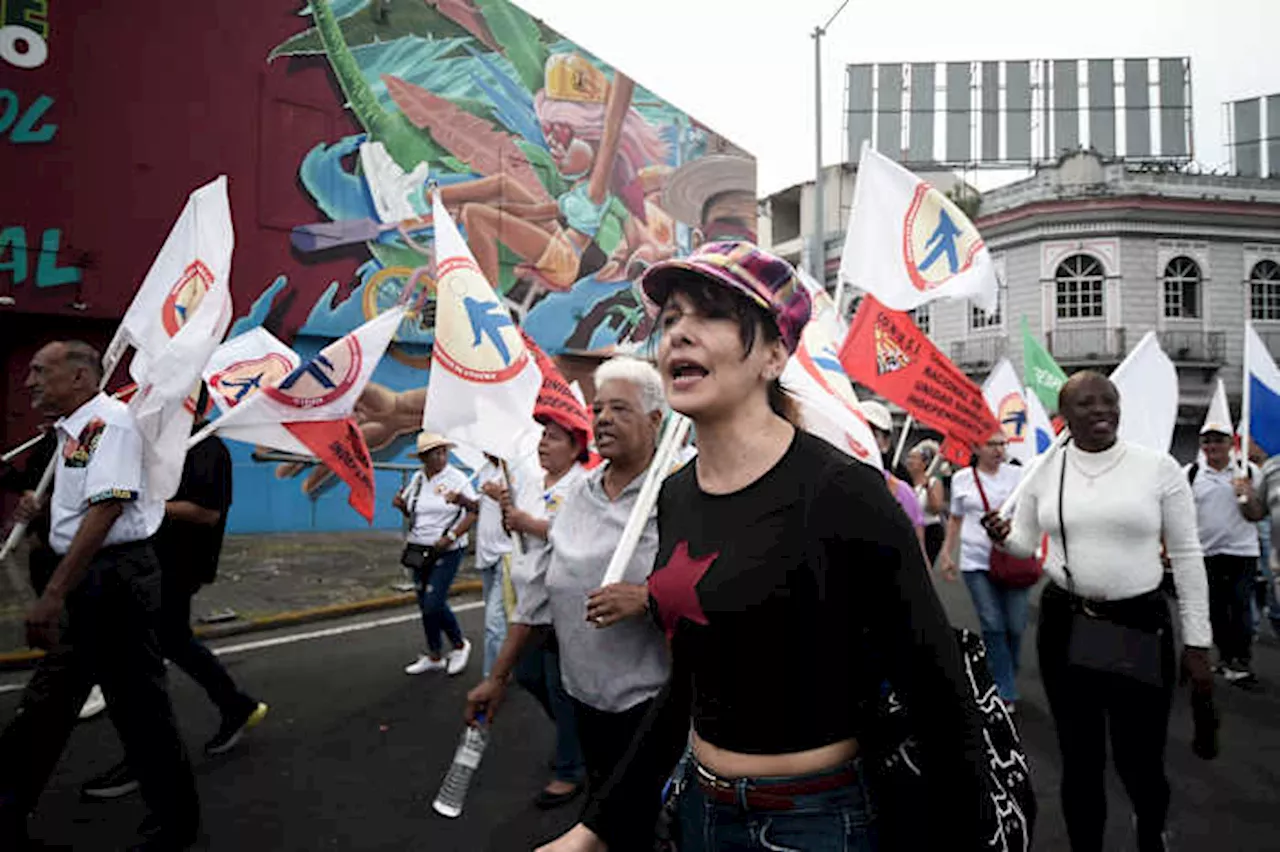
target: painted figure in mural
716 195
598 141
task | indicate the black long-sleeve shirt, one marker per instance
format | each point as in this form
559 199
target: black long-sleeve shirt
787 604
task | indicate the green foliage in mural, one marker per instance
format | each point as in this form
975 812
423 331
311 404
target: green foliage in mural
406 144
520 39
412 18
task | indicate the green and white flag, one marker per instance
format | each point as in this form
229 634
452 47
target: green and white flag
1041 373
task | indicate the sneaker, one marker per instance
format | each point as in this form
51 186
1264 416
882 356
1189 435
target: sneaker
234 726
425 664
94 704
115 782
1239 674
458 657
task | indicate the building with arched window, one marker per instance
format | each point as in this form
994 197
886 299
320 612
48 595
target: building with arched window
1095 254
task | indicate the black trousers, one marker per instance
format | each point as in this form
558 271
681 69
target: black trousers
1087 705
109 637
1230 592
179 644
605 738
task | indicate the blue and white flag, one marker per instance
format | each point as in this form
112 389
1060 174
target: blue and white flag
1261 393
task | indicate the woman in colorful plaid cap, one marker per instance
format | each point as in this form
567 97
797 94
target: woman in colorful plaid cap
790 585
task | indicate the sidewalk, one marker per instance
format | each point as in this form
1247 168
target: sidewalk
268 579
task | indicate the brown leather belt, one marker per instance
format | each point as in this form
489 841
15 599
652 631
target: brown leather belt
772 797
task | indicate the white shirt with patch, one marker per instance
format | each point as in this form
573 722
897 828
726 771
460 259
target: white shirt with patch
1224 531
100 458
431 516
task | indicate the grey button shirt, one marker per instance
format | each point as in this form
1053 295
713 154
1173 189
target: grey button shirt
611 668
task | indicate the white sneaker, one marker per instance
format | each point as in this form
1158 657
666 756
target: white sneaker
458 657
425 664
94 704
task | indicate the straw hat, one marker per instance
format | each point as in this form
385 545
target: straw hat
428 441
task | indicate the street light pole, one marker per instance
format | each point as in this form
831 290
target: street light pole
818 252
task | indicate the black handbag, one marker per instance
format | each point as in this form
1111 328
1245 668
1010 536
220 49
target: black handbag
417 557
420 557
1099 643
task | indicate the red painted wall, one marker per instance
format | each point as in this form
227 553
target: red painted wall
151 100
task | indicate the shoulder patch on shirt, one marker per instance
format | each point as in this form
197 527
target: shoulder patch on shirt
112 494
78 450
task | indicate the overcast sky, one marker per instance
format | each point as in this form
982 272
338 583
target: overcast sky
746 67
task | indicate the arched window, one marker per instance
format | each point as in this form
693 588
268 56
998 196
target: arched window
1264 290
1182 289
1080 291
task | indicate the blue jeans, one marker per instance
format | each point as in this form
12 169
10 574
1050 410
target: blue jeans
539 673
495 614
839 820
1002 612
433 600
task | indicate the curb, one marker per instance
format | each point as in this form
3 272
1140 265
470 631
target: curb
18 660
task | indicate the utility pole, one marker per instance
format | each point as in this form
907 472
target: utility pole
818 251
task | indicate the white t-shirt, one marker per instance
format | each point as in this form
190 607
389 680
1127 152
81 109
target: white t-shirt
492 541
1224 531
528 573
430 515
100 458
966 504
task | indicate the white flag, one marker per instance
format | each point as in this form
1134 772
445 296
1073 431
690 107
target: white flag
175 322
483 383
1148 385
909 244
324 387
1008 402
828 405
1040 425
308 411
246 364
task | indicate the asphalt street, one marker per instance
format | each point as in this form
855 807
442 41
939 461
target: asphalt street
353 751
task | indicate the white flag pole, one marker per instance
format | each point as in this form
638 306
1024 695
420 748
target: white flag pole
1059 443
672 438
902 442
21 448
1245 403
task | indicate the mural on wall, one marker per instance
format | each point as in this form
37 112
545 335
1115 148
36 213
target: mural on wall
567 178
28 254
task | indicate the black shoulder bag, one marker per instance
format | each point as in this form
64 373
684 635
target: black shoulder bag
420 557
1099 643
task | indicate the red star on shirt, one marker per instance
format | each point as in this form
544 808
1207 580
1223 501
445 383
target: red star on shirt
675 587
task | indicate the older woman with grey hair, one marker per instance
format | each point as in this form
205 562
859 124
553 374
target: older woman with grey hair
612 675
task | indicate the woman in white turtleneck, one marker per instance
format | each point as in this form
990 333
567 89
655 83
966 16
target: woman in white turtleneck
1119 501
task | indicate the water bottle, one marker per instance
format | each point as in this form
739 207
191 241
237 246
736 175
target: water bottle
453 791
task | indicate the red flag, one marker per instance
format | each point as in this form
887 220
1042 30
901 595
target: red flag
885 351
340 445
556 399
956 451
